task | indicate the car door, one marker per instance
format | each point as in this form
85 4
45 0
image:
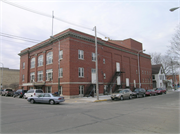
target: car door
39 98
125 94
46 98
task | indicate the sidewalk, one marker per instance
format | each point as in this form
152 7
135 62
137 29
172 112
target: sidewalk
89 99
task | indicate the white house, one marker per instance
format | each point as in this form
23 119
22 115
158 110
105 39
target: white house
158 76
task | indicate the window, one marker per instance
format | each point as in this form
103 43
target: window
81 72
48 89
93 57
47 95
104 76
81 90
104 61
49 58
61 55
80 54
40 75
32 76
23 77
60 72
23 65
40 60
93 70
33 63
49 74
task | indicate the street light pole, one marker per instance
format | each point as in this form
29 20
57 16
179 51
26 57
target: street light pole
2 74
139 68
58 64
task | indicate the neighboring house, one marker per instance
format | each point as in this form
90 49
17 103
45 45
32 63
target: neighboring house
158 76
117 65
175 80
9 78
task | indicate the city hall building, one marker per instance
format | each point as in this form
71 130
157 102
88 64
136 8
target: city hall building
66 64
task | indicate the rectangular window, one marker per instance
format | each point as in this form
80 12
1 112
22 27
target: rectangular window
80 54
81 72
23 65
61 54
93 57
104 76
48 89
32 76
40 60
23 77
104 61
40 75
33 63
49 58
49 74
93 70
60 72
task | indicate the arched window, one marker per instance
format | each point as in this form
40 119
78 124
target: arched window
40 60
33 63
49 58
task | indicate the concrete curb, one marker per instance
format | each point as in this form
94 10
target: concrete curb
101 100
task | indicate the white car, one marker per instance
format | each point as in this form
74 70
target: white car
32 93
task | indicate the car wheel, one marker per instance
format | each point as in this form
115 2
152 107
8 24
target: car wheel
112 99
121 98
51 102
130 97
32 101
164 92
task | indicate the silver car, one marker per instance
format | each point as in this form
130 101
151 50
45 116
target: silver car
46 98
121 94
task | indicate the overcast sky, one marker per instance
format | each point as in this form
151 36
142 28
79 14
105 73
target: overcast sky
147 21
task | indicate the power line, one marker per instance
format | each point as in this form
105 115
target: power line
47 15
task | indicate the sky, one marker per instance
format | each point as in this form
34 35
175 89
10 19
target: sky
147 21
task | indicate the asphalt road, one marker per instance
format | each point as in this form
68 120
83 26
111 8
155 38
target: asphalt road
156 114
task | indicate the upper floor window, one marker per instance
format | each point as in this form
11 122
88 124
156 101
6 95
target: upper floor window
23 65
93 70
80 54
33 63
40 75
60 72
93 57
49 74
104 61
61 54
23 77
32 76
49 58
40 60
81 72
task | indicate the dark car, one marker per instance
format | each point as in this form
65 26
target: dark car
150 92
139 92
19 93
160 91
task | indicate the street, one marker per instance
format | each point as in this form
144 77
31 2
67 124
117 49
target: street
154 114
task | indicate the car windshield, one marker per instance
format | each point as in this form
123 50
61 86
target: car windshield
136 90
158 89
148 90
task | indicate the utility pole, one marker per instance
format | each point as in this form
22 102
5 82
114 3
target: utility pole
2 74
97 85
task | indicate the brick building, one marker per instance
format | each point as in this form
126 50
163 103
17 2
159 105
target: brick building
117 65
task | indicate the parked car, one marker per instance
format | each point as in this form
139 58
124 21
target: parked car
32 93
19 93
139 92
150 92
7 92
46 98
122 94
160 90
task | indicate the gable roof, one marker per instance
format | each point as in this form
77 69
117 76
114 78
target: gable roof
156 68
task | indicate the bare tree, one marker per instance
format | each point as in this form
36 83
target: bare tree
169 62
175 43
